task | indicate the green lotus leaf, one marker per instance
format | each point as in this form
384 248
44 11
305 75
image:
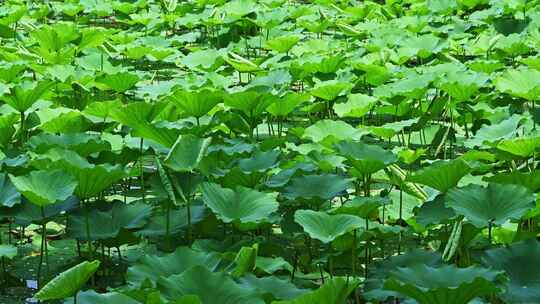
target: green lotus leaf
92 297
390 129
272 265
22 97
8 251
91 179
157 224
441 175
524 83
380 269
336 290
282 44
517 260
495 203
245 261
330 90
530 180
187 152
44 188
332 130
119 82
9 195
367 159
69 282
27 213
7 128
260 161
325 227
324 186
361 206
140 117
68 122
241 64
357 105
108 224
522 147
242 204
208 59
286 105
434 212
83 144
271 288
462 86
445 284
197 103
491 133
250 102
153 267
208 286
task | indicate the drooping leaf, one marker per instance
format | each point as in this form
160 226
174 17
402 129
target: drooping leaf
187 152
325 227
68 282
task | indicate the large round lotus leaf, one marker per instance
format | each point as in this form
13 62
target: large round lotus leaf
336 291
187 152
24 95
325 227
531 180
259 161
504 129
330 90
495 203
519 261
27 213
68 282
83 144
198 103
119 82
44 188
434 212
271 287
9 195
445 284
152 267
242 204
367 159
287 104
524 83
522 147
380 269
324 186
442 175
92 297
210 287
108 224
330 130
140 117
357 105
91 179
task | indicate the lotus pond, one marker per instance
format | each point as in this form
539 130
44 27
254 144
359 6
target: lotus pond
269 151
